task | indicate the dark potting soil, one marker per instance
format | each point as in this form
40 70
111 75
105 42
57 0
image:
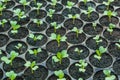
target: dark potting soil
72 11
31 42
53 66
73 39
53 77
6 27
58 7
91 43
90 30
77 56
74 71
22 33
100 1
10 4
116 3
6 14
52 46
11 47
114 37
35 28
114 50
85 6
40 74
17 65
58 18
69 23
40 57
116 67
106 59
118 11
3 40
1 73
100 75
104 20
60 31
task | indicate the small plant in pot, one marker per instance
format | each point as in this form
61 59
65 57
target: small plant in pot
50 13
55 25
60 75
35 51
85 1
38 22
2 7
110 28
58 38
39 5
108 3
99 52
24 3
11 75
97 39
69 5
89 11
14 26
78 31
2 22
53 3
73 17
79 51
59 56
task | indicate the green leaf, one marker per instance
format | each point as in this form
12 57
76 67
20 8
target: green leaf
53 36
107 72
5 59
39 50
35 68
55 59
59 74
102 49
64 53
31 36
12 75
31 51
39 37
63 38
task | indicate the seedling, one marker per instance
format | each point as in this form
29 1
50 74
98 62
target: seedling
78 31
94 25
110 13
99 52
59 56
85 1
35 38
110 28
11 75
97 39
118 44
54 2
69 4
9 60
39 5
80 79
38 22
2 22
14 26
50 13
74 17
108 3
55 25
58 38
82 65
108 75
2 7
79 51
60 75
24 3
19 13
18 46
89 11
35 51
31 65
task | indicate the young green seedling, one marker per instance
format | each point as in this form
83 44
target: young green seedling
59 56
24 3
9 60
54 2
35 51
82 65
55 26
39 5
118 44
97 39
14 26
38 22
2 22
50 13
99 52
58 38
32 65
110 13
2 7
89 11
73 17
11 75
94 25
35 38
78 31
19 13
110 28
79 51
18 46
108 3
60 75
108 75
85 1
69 4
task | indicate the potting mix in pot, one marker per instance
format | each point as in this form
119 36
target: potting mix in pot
59 40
